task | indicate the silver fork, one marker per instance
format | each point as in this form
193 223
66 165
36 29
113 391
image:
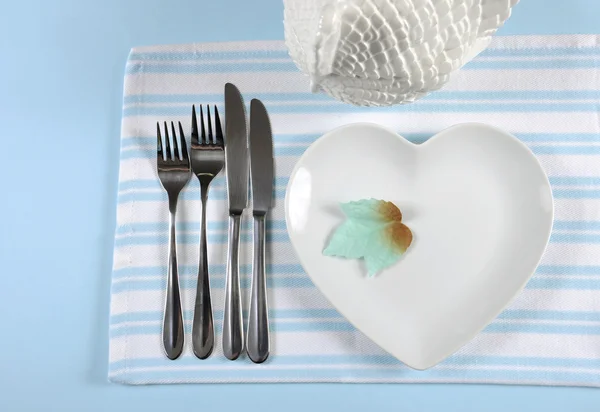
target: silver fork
208 159
173 172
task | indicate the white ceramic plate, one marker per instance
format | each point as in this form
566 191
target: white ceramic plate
480 208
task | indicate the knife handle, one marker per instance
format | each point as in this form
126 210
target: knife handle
258 320
233 341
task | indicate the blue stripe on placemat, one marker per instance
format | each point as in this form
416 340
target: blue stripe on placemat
458 95
423 106
284 65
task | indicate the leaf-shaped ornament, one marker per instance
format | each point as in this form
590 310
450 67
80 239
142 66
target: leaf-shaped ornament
373 231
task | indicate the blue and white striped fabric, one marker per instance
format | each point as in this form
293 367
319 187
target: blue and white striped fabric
544 89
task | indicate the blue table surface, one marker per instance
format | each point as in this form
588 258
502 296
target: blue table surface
61 77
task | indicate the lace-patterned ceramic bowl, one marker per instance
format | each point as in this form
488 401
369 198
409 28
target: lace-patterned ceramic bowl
385 52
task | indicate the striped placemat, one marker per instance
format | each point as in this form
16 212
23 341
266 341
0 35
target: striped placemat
543 89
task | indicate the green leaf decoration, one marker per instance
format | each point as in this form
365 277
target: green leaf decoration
373 231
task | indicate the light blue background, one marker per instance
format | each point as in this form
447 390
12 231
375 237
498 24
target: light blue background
61 75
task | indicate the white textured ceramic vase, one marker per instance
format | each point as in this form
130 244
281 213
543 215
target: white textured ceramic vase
385 52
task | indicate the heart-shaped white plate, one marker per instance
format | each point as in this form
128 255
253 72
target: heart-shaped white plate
480 208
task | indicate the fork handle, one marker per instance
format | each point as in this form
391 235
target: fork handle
173 319
233 341
203 335
258 320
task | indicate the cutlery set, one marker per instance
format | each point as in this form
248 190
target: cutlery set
244 156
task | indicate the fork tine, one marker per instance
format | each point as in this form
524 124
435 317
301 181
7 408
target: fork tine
210 134
175 143
167 142
194 126
218 130
184 150
202 130
159 150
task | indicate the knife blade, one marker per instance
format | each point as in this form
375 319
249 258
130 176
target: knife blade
261 178
261 157
236 149
236 164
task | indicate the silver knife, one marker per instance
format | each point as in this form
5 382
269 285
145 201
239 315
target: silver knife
261 177
236 163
